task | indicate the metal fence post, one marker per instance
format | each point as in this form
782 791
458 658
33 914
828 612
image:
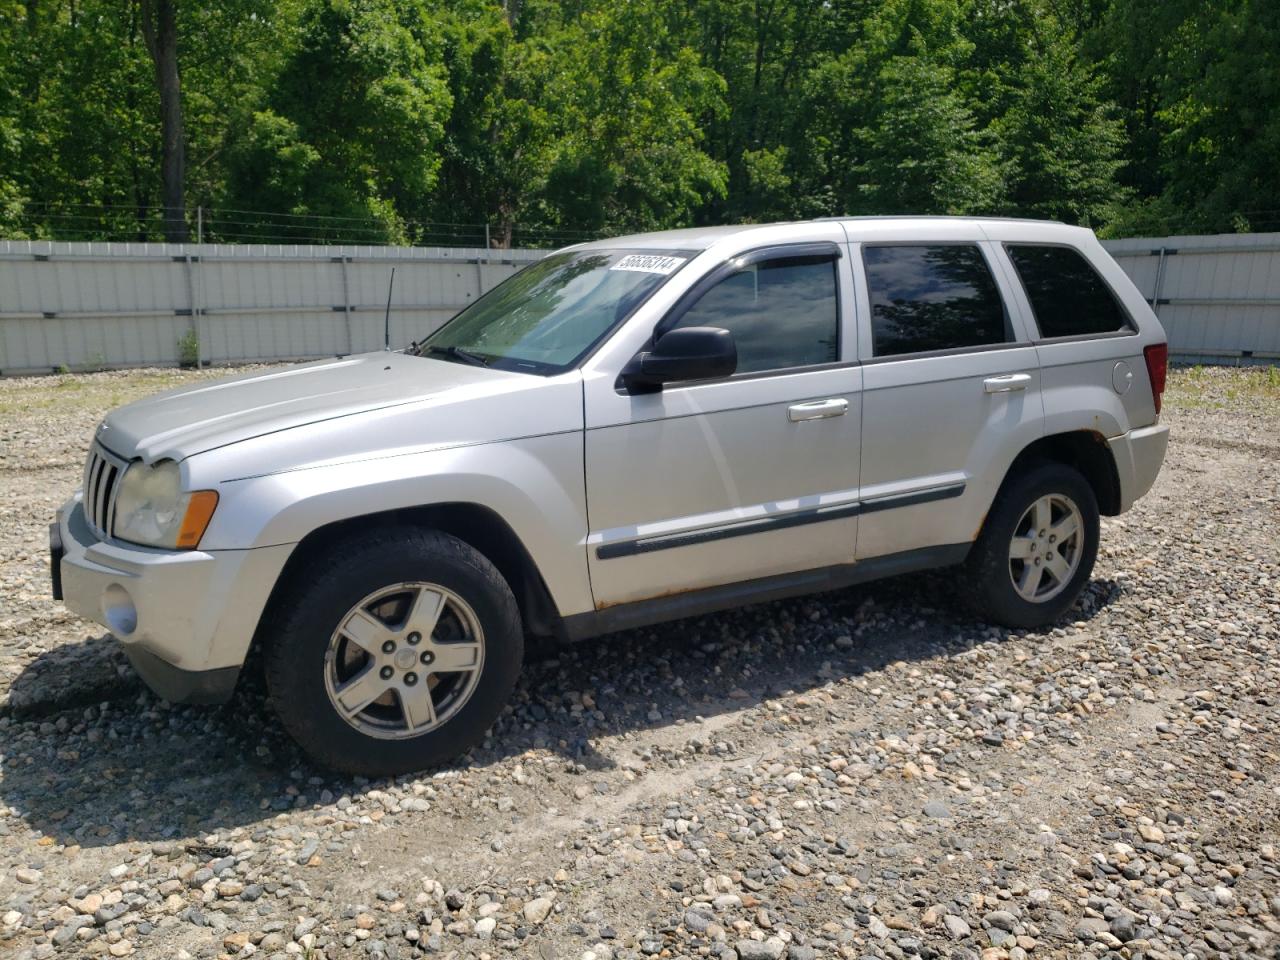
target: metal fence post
346 304
194 301
1155 294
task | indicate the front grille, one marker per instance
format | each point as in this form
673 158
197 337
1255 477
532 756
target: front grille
101 476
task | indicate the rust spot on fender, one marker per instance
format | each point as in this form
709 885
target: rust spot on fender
657 596
981 523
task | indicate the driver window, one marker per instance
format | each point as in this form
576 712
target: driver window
782 312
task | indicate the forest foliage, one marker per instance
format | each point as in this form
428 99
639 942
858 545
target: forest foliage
549 120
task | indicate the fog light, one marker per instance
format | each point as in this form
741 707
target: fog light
118 610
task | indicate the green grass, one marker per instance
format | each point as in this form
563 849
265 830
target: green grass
1218 388
94 391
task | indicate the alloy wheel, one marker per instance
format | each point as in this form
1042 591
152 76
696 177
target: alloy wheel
404 660
1045 551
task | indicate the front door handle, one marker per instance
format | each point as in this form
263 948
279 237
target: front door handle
817 409
1007 383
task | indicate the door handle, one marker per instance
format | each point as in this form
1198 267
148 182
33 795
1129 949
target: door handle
817 409
1006 384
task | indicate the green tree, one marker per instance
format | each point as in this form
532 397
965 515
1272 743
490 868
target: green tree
1198 83
79 94
1061 140
579 118
88 157
498 138
352 124
395 119
160 33
767 193
919 150
888 128
628 146
12 128
1222 119
225 79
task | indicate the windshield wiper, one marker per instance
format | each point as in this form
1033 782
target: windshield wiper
457 353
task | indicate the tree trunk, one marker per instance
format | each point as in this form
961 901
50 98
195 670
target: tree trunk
160 29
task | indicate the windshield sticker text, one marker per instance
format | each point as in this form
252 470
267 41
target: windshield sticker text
648 263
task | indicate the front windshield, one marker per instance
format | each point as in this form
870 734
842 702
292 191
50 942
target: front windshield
549 315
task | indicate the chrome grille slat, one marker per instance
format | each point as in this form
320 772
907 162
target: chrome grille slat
109 519
110 477
100 496
90 471
91 489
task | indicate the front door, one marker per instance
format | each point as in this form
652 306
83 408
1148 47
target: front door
722 481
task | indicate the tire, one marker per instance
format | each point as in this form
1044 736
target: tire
1003 575
375 619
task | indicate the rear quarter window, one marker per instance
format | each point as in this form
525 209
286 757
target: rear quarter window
1068 297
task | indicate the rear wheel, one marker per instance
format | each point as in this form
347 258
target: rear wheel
393 652
1037 548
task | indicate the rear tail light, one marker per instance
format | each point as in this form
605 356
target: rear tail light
1157 357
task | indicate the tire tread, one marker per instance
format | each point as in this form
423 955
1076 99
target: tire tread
985 569
325 573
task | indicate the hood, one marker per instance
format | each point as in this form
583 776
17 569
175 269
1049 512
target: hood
179 423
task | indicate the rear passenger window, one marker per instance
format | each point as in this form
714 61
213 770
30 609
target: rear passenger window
1067 296
782 312
940 297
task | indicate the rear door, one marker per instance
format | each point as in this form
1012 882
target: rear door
1088 342
951 384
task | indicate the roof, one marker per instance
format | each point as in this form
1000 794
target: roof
699 238
690 238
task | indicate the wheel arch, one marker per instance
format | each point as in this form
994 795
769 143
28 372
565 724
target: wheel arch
1086 451
476 525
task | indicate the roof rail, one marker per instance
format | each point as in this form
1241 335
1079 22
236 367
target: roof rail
934 216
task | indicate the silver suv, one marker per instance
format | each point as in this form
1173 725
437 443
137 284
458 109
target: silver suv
626 432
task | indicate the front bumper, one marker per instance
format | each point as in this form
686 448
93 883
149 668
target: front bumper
185 618
1139 455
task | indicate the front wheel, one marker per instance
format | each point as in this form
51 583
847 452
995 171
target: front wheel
394 652
1037 548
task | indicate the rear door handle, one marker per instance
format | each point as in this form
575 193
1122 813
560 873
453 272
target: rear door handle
817 409
1007 383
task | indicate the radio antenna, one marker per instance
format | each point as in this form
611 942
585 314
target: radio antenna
386 320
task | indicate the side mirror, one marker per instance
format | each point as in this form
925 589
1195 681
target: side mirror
685 353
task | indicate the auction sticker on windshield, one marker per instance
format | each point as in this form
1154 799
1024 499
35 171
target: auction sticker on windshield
648 263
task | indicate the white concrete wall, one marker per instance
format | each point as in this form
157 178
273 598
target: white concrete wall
1217 296
91 305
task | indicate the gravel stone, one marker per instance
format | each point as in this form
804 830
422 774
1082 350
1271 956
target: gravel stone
957 928
771 949
67 932
535 911
867 773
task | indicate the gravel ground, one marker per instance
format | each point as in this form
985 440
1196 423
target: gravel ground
869 773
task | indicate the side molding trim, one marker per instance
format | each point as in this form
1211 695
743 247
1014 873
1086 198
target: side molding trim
667 541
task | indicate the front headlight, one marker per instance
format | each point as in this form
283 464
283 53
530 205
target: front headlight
152 510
